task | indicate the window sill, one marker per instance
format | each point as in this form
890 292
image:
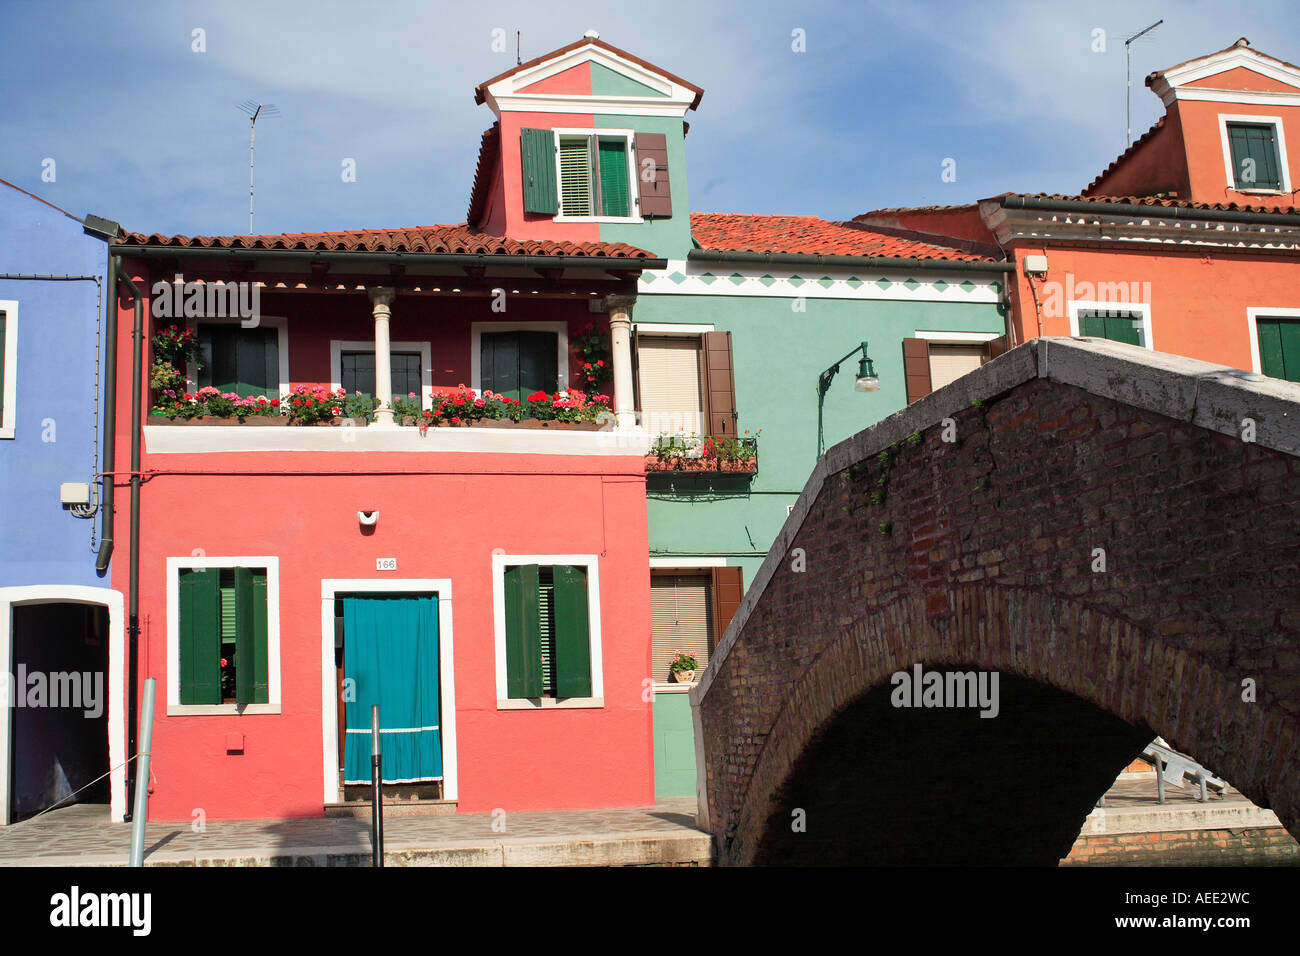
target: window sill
631 220
551 703
219 710
6 433
1260 192
663 687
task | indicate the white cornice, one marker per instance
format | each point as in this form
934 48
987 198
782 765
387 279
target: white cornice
1250 97
1231 59
598 105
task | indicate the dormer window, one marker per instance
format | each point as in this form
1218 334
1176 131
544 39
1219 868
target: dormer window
591 175
1255 153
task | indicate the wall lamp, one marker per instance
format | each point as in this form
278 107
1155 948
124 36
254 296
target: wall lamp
866 382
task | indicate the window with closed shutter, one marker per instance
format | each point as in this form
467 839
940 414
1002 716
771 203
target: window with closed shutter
1279 347
357 372
593 174
235 359
1255 160
672 397
516 364
950 362
681 619
1118 326
223 631
575 176
548 631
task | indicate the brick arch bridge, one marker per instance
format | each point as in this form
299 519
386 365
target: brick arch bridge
984 554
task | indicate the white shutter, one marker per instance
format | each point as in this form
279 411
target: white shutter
681 619
950 362
575 176
671 397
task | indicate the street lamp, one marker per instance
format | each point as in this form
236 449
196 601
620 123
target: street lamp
866 382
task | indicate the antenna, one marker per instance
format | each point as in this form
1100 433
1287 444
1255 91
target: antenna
254 111
518 59
1128 84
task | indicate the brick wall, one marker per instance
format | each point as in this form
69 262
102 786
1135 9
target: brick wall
1237 847
980 552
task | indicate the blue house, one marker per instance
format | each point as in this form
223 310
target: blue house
61 627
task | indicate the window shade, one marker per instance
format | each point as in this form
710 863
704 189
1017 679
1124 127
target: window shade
575 177
681 619
950 362
671 397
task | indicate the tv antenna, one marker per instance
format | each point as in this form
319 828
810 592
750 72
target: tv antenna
1128 84
254 111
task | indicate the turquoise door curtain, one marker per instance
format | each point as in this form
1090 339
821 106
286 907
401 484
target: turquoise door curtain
390 652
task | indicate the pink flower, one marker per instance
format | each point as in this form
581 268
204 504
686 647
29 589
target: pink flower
223 662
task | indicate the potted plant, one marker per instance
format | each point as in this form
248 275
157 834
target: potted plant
592 345
683 667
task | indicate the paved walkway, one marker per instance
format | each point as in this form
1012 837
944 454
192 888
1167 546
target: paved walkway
664 834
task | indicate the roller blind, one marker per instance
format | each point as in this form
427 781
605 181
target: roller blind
950 362
681 619
671 397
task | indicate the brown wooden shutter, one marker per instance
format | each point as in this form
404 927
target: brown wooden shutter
728 588
994 348
656 194
916 368
719 383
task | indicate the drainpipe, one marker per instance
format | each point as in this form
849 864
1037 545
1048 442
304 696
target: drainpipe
110 422
133 598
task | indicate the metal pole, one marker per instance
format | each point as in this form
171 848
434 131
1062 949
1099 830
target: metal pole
376 789
1160 780
141 811
252 138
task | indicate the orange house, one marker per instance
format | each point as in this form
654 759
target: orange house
1188 243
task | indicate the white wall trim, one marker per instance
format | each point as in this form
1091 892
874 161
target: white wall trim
115 680
278 322
476 330
10 345
592 563
330 588
956 337
1252 329
1140 310
634 187
425 349
174 706
669 328
1276 123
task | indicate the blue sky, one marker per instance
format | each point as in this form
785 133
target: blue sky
146 131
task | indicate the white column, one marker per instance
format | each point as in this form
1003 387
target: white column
381 299
619 308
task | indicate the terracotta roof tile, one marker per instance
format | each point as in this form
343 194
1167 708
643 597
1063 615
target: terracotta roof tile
1137 144
1168 202
447 240
809 235
489 151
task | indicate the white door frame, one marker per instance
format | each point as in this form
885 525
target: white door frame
441 587
111 600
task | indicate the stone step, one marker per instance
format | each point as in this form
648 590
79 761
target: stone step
393 808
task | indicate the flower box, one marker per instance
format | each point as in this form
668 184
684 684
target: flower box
258 420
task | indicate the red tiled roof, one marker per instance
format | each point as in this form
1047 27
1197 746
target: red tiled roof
894 210
808 235
1169 202
480 91
448 240
1137 144
489 151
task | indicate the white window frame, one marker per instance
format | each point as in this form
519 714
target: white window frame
476 330
1139 310
330 588
278 322
1252 329
592 563
10 345
634 187
174 567
425 350
1276 123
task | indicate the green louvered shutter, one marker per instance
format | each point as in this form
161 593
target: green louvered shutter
261 651
523 666
1117 328
572 633
537 147
1256 142
614 199
251 684
538 358
200 635
1279 348
575 176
